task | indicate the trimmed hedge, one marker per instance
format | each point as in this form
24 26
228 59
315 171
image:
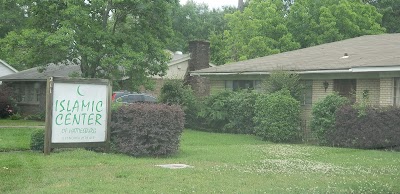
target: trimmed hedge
376 129
143 129
277 117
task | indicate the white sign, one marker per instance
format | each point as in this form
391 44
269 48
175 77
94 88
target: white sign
79 113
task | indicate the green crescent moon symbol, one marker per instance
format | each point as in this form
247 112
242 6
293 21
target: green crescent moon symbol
77 90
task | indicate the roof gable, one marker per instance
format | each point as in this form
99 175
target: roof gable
8 66
34 74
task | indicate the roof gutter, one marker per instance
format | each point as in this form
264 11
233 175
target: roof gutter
23 80
267 73
375 69
351 70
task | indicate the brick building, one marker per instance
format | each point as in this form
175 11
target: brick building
355 68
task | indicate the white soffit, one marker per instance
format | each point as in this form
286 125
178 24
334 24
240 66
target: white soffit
375 69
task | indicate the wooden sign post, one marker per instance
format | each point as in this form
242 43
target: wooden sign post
78 113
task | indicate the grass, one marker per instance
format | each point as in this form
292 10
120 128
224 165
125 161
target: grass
222 163
9 122
15 139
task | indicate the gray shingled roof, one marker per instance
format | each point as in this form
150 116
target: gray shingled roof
365 51
34 75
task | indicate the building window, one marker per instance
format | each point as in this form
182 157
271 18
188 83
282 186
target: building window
306 94
242 84
26 93
346 88
396 93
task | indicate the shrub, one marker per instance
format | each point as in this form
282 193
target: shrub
229 112
277 117
175 92
115 106
215 111
37 140
142 129
323 116
240 113
7 103
377 128
279 80
15 116
37 117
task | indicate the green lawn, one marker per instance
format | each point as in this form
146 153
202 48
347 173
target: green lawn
9 122
14 139
222 163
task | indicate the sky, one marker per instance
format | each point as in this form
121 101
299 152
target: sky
215 3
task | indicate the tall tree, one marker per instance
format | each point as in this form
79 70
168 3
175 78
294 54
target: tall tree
12 16
193 21
110 39
258 31
390 9
317 22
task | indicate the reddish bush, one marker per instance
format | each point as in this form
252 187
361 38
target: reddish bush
377 128
142 129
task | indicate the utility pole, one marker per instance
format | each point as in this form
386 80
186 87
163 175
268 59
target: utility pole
241 5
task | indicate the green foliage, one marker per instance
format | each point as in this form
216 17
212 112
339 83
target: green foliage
115 106
390 9
318 22
195 21
111 39
277 117
37 140
11 17
215 111
241 112
323 115
258 31
229 112
15 116
37 117
363 105
283 80
270 27
217 51
143 129
175 92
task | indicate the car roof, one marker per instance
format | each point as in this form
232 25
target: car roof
137 97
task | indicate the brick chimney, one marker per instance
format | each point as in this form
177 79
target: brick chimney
199 59
199 55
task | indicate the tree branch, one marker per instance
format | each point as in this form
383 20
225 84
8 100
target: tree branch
105 15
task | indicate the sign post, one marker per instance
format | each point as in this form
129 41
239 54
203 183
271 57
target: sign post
78 113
